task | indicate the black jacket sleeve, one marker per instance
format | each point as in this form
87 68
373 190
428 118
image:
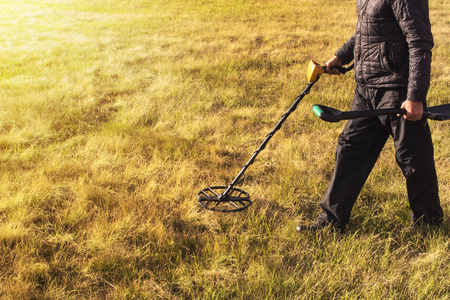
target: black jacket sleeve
413 19
345 53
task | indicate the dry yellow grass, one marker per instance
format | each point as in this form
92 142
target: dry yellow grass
114 114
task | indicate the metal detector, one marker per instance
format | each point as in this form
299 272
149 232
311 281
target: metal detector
329 114
229 198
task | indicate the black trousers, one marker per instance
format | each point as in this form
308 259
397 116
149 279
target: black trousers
359 147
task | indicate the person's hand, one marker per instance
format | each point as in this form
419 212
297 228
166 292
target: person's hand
414 110
332 66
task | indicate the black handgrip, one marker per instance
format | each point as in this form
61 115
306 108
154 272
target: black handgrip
342 70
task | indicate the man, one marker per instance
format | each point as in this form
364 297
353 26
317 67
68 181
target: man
391 50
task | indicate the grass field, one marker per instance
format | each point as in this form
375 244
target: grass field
114 114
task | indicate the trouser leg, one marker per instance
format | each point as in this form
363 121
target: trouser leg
415 156
358 149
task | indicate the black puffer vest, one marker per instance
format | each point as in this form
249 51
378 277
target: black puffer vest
391 46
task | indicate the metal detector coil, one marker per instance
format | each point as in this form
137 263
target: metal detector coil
215 198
